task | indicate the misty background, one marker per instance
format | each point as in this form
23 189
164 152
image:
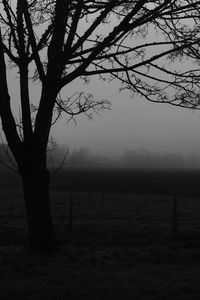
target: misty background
134 132
133 127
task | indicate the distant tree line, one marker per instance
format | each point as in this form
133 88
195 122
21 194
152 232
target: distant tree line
146 159
142 158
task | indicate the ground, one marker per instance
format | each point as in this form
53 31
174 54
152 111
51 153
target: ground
119 246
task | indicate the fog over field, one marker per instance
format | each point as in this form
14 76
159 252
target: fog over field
131 158
131 124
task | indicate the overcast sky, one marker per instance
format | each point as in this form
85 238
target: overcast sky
133 123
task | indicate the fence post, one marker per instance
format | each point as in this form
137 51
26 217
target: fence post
71 198
174 215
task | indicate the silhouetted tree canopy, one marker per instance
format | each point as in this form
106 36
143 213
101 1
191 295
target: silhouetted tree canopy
151 47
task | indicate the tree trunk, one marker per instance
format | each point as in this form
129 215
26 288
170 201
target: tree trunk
36 197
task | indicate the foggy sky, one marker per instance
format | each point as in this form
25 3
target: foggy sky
133 123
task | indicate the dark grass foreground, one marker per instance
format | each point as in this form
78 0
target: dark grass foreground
120 247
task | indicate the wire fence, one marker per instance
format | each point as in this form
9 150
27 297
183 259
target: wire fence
126 214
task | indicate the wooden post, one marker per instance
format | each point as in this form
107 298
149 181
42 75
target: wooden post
174 215
71 198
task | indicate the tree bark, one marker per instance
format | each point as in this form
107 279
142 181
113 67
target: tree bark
36 197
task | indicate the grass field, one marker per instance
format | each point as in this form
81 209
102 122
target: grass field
120 245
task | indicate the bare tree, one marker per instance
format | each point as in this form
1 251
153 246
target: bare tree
140 43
